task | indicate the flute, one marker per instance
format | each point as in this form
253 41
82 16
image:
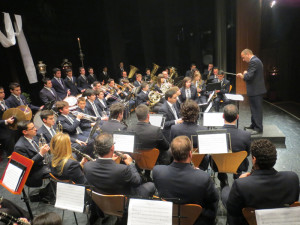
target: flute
89 158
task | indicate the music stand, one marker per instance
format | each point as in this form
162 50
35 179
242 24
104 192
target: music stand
213 86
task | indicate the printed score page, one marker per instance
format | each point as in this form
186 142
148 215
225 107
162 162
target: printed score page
12 176
234 97
213 119
156 119
212 143
124 143
289 215
149 212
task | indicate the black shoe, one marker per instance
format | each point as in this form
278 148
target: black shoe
248 128
256 132
223 184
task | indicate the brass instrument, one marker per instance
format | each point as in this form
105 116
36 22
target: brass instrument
47 157
85 116
164 87
154 97
59 127
153 72
89 158
121 155
132 71
172 73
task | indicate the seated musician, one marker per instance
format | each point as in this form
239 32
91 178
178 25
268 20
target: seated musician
127 90
91 77
190 114
147 76
214 76
142 97
63 165
28 147
207 72
160 81
188 91
71 83
16 98
96 86
264 188
180 180
59 85
138 81
101 102
190 72
225 86
115 118
93 109
201 87
48 94
84 124
82 81
104 75
113 91
123 76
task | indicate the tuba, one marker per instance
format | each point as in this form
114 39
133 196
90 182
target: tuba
172 73
153 72
132 71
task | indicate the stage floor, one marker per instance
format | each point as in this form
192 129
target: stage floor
287 160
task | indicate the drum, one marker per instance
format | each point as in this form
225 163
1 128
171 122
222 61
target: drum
37 121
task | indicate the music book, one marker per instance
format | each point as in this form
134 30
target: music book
149 212
213 86
289 215
213 119
234 97
157 120
213 142
70 197
124 141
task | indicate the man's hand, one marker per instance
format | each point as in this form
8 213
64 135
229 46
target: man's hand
179 121
93 124
115 157
44 149
83 90
245 175
240 75
41 107
79 116
105 118
81 143
128 160
83 161
10 120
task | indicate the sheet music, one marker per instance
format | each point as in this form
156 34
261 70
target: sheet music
12 177
69 196
234 97
149 212
213 119
156 119
212 143
280 216
208 107
124 143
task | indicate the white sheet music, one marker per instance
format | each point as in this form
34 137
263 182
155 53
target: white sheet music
281 216
213 119
12 176
212 143
156 119
70 197
124 143
234 97
149 212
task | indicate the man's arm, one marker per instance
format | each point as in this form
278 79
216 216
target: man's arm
235 202
249 75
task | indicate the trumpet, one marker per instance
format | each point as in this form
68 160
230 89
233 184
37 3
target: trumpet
85 116
42 142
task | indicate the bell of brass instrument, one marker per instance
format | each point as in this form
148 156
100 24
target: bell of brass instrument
173 74
154 97
42 142
153 72
85 116
59 127
132 71
164 87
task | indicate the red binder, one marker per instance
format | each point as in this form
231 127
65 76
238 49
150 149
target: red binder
26 163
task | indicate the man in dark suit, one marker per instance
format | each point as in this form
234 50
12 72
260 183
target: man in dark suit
115 118
264 188
142 97
71 83
123 76
225 86
255 83
92 108
101 102
170 111
59 85
82 80
91 77
104 76
29 148
16 98
190 72
138 81
208 71
120 69
48 94
180 180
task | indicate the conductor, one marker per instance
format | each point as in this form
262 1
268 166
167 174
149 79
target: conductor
255 89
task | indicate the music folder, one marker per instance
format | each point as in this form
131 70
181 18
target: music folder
213 86
157 120
124 141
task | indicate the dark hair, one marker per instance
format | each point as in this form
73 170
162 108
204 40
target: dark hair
186 79
60 105
215 68
103 144
80 68
147 69
55 70
190 111
89 92
23 125
95 83
221 72
110 80
265 153
50 218
90 68
81 99
144 84
1 88
159 79
230 113
46 113
45 80
68 70
115 110
13 85
193 64
125 81
142 112
181 147
170 92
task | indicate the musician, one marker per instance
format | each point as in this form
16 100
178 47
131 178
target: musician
71 83
180 180
142 97
91 77
63 165
49 218
82 80
123 77
92 108
188 91
147 76
200 85
16 98
104 76
101 102
115 118
120 69
59 85
96 86
126 89
208 71
225 86
114 91
264 188
28 147
170 111
48 93
138 81
160 81
214 76
166 76
190 72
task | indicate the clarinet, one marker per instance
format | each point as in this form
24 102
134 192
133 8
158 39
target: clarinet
89 158
121 155
8 219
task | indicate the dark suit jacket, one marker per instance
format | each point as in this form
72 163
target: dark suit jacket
224 88
72 86
84 124
91 79
181 180
38 170
61 91
83 83
188 73
104 77
206 73
13 102
72 171
263 189
90 110
194 95
109 177
68 127
46 134
103 107
46 96
112 125
136 83
255 78
142 98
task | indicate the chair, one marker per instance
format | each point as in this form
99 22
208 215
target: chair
186 213
229 162
197 159
110 204
146 159
249 213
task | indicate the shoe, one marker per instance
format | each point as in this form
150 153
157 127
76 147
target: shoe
256 132
223 184
248 128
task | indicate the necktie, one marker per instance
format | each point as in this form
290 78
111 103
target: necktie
59 80
174 112
20 100
51 92
95 109
83 77
3 105
35 145
52 131
78 129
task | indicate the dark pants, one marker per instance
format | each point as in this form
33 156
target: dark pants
256 112
217 102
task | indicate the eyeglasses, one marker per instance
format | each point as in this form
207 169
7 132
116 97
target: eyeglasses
31 128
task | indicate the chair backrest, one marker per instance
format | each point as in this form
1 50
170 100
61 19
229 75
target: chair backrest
197 159
249 213
229 162
110 204
146 159
230 88
189 212
58 180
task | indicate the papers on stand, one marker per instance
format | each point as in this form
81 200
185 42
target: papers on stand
149 212
13 176
212 143
281 216
213 119
124 142
234 97
70 197
157 120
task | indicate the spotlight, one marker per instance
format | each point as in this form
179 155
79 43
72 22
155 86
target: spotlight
272 4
